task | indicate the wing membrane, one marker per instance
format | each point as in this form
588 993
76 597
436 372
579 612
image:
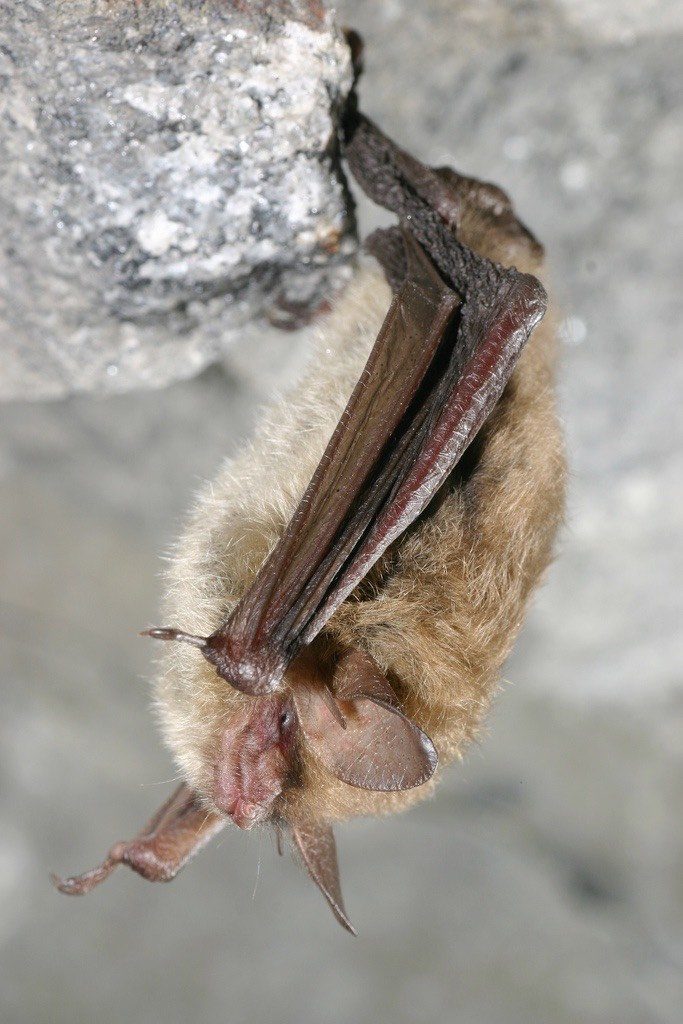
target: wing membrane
440 363
352 482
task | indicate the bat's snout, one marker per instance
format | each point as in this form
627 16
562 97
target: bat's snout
254 760
246 815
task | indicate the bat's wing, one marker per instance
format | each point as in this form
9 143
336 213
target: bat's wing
440 362
179 829
324 552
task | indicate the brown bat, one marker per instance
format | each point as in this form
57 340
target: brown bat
350 585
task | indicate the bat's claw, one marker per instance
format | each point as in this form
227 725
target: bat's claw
80 885
167 633
69 886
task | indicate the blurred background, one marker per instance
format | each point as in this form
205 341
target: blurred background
545 881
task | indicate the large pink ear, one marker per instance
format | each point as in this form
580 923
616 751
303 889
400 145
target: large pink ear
379 748
319 852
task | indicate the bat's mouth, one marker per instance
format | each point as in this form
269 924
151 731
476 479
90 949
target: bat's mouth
245 815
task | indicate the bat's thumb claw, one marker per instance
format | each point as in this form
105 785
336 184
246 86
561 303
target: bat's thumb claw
167 633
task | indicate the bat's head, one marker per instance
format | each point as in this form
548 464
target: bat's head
333 724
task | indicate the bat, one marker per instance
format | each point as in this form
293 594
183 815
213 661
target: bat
346 591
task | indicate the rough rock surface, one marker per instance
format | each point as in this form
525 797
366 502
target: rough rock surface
543 884
167 181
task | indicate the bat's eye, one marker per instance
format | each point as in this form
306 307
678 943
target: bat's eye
286 719
287 724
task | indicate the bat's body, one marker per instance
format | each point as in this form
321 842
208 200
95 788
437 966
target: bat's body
357 575
443 612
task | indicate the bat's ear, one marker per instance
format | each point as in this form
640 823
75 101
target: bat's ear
319 852
378 748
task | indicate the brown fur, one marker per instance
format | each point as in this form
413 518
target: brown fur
441 612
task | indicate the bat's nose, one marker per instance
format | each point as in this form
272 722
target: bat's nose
246 815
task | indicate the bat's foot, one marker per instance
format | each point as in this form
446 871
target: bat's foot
80 885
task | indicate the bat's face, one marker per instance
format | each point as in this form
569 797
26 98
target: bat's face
256 759
332 736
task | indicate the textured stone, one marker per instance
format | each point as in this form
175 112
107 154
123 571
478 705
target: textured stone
167 178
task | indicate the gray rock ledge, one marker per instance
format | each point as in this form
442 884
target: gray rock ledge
167 179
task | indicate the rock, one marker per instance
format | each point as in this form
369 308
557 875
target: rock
167 176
